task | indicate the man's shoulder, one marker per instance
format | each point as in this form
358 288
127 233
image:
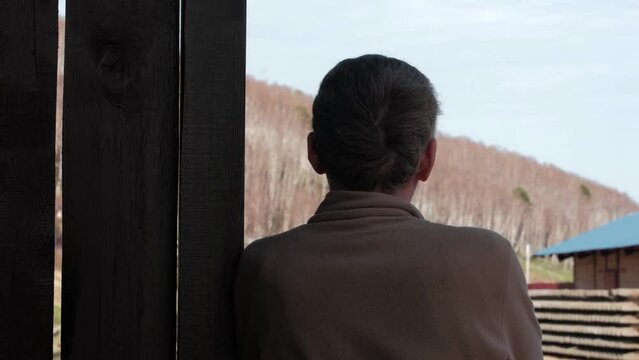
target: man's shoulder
270 246
474 251
481 239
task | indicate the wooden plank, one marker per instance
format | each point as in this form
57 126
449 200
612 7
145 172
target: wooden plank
28 43
589 353
621 306
591 342
626 293
591 330
568 293
588 318
584 293
120 179
211 176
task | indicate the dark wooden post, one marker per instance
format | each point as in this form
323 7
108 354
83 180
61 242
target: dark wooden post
120 159
28 39
211 175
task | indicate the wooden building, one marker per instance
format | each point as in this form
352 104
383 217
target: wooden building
606 257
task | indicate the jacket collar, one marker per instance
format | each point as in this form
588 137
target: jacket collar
343 204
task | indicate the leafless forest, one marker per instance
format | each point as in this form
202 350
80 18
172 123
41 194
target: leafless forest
472 184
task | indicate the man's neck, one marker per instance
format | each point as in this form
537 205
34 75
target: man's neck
405 192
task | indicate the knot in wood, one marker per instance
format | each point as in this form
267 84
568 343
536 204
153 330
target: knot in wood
114 73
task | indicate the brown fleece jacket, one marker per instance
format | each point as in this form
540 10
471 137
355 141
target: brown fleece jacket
368 278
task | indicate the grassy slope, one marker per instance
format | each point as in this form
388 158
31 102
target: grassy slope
546 270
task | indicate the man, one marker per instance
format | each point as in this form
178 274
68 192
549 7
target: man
368 277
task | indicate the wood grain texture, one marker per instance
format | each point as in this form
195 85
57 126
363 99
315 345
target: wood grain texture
602 343
588 353
570 317
610 331
120 153
28 40
211 175
583 293
615 307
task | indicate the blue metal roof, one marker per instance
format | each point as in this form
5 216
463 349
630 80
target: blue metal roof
621 233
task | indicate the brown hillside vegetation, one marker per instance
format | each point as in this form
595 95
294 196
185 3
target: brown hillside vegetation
472 184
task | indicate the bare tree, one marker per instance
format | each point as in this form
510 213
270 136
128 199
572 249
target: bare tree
472 184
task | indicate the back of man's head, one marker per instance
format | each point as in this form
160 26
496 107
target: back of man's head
372 119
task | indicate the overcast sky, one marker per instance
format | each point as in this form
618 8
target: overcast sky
554 80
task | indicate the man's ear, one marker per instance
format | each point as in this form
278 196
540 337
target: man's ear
313 158
427 161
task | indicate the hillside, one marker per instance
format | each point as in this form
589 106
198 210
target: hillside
472 184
